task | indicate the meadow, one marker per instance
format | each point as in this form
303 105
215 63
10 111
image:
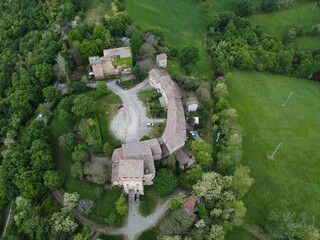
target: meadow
293 174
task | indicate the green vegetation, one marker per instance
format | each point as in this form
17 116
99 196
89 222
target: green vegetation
111 237
151 99
258 98
148 201
128 83
239 234
157 130
149 234
301 15
123 61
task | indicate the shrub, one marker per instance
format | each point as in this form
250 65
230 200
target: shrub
202 211
243 8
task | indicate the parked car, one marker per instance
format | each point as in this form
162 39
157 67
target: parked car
119 106
149 124
194 134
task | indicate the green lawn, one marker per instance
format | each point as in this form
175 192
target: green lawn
148 201
104 205
294 173
149 234
239 234
300 15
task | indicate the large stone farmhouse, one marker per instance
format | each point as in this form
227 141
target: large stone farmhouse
133 163
114 61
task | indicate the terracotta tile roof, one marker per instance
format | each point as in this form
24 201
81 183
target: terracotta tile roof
161 56
137 150
184 155
190 101
123 52
131 168
115 171
164 72
191 203
154 145
117 154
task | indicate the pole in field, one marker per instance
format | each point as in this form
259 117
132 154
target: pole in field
271 157
284 104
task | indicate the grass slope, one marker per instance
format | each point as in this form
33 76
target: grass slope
299 15
293 175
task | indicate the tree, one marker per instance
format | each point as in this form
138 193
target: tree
53 179
242 181
189 55
63 223
30 183
172 162
83 106
76 170
99 32
165 182
70 200
107 149
243 8
147 51
102 88
67 141
51 93
88 49
121 206
119 24
44 72
178 223
80 236
75 87
145 66
109 40
75 35
75 53
136 41
269 5
41 160
191 176
177 201
80 153
62 67
217 232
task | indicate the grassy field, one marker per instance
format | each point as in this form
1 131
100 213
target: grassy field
294 173
104 205
299 15
148 201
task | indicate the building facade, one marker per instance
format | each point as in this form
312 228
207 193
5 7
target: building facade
161 60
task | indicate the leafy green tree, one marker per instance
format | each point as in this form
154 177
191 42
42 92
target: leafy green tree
102 88
99 32
121 206
107 149
67 141
75 87
165 182
189 55
80 236
80 153
242 180
51 93
70 200
41 160
269 5
53 179
88 49
217 232
44 72
83 106
136 41
243 8
30 183
119 24
172 162
74 35
97 146
63 223
177 201
191 176
76 170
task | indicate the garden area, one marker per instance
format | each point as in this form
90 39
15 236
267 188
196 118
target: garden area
151 100
104 199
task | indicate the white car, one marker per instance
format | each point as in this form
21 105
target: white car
149 124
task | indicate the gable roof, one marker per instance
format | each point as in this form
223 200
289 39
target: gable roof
123 52
161 56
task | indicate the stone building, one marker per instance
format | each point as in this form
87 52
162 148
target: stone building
114 61
174 135
161 60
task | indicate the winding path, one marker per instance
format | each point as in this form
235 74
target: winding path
135 223
130 123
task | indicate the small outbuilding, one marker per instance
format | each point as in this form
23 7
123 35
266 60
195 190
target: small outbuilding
161 60
184 157
192 104
191 203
